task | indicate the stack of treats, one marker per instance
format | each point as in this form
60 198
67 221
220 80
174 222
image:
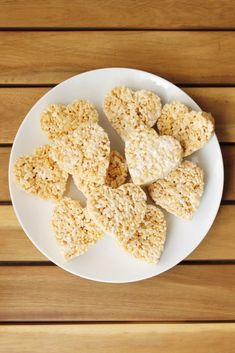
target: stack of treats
156 141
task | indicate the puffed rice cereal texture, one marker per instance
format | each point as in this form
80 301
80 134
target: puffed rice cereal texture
38 174
150 157
116 175
192 129
58 120
85 152
181 191
74 229
117 211
148 241
129 111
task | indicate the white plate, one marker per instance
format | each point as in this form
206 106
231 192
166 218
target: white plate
106 262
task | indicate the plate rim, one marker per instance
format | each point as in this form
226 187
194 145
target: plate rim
19 218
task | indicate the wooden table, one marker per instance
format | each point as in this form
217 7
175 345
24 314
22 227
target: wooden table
189 308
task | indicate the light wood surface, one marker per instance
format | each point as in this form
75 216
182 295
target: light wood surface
16 102
229 164
181 57
218 245
125 14
190 307
185 293
118 338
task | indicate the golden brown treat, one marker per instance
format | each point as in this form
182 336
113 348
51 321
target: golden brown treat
192 129
58 120
180 192
117 211
150 157
117 170
116 175
74 229
148 241
128 111
38 174
85 151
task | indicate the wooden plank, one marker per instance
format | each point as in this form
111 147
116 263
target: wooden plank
218 245
229 164
229 172
16 102
221 103
50 57
109 338
123 14
14 244
185 293
4 160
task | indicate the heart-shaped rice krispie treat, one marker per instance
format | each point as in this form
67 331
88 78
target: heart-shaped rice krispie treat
117 211
181 191
192 129
128 110
116 175
74 229
151 157
85 151
38 174
148 241
58 120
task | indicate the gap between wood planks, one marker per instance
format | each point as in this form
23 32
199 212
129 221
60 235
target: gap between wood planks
113 29
100 323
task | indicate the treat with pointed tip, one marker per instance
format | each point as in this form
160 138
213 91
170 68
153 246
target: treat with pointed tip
192 129
40 175
148 241
74 229
117 211
85 151
181 191
129 110
151 157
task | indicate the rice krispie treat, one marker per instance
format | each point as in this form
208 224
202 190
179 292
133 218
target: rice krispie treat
117 211
150 157
117 170
128 111
58 119
74 229
116 175
38 174
192 129
84 185
148 241
180 192
84 151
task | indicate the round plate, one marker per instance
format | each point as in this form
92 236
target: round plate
107 262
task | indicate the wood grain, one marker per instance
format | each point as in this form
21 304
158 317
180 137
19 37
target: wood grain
123 14
181 57
117 338
14 244
4 161
16 102
185 293
220 101
218 245
229 164
228 152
